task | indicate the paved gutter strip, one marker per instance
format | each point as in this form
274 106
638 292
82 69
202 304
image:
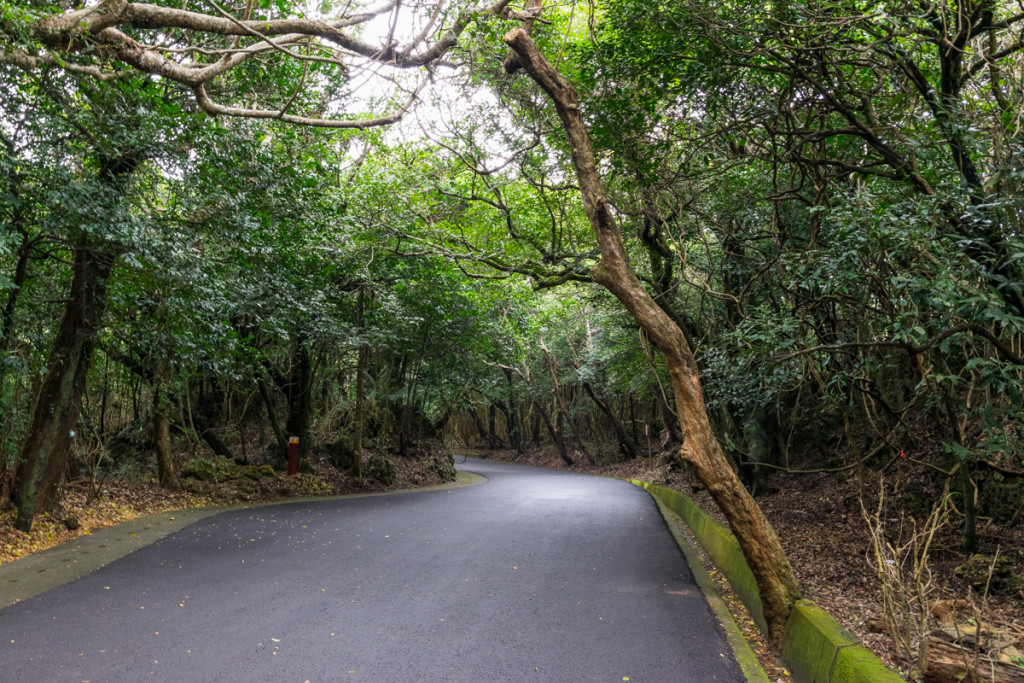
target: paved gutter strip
29 576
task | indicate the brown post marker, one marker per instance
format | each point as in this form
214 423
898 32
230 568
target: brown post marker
293 455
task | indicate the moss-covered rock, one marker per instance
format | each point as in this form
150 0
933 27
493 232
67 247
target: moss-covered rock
380 469
443 463
199 469
257 472
1004 578
217 469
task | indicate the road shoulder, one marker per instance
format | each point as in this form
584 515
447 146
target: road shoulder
27 577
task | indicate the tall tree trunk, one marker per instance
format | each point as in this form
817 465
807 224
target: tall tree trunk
513 421
20 276
27 246
775 580
268 404
45 452
300 396
362 361
168 477
632 417
535 422
492 431
44 455
481 430
514 438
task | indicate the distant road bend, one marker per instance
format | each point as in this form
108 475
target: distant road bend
534 576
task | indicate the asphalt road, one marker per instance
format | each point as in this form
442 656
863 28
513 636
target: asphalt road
534 575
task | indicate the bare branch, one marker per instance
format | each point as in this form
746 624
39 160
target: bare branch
102 28
211 107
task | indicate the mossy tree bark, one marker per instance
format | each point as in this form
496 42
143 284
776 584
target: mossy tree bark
168 475
45 452
761 547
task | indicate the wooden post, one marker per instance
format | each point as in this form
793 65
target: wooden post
293 455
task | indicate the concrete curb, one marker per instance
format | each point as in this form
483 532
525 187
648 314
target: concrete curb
815 647
29 576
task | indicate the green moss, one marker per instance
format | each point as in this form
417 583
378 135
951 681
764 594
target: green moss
1004 578
257 472
199 469
380 469
816 649
814 646
217 469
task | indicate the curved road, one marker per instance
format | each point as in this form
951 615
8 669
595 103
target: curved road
535 575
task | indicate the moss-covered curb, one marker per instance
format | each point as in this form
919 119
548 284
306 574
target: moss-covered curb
815 647
720 545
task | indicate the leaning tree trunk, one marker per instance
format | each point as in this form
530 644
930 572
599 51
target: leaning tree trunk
45 453
626 445
563 409
775 580
555 430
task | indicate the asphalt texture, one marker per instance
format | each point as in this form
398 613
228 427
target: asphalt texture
534 575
